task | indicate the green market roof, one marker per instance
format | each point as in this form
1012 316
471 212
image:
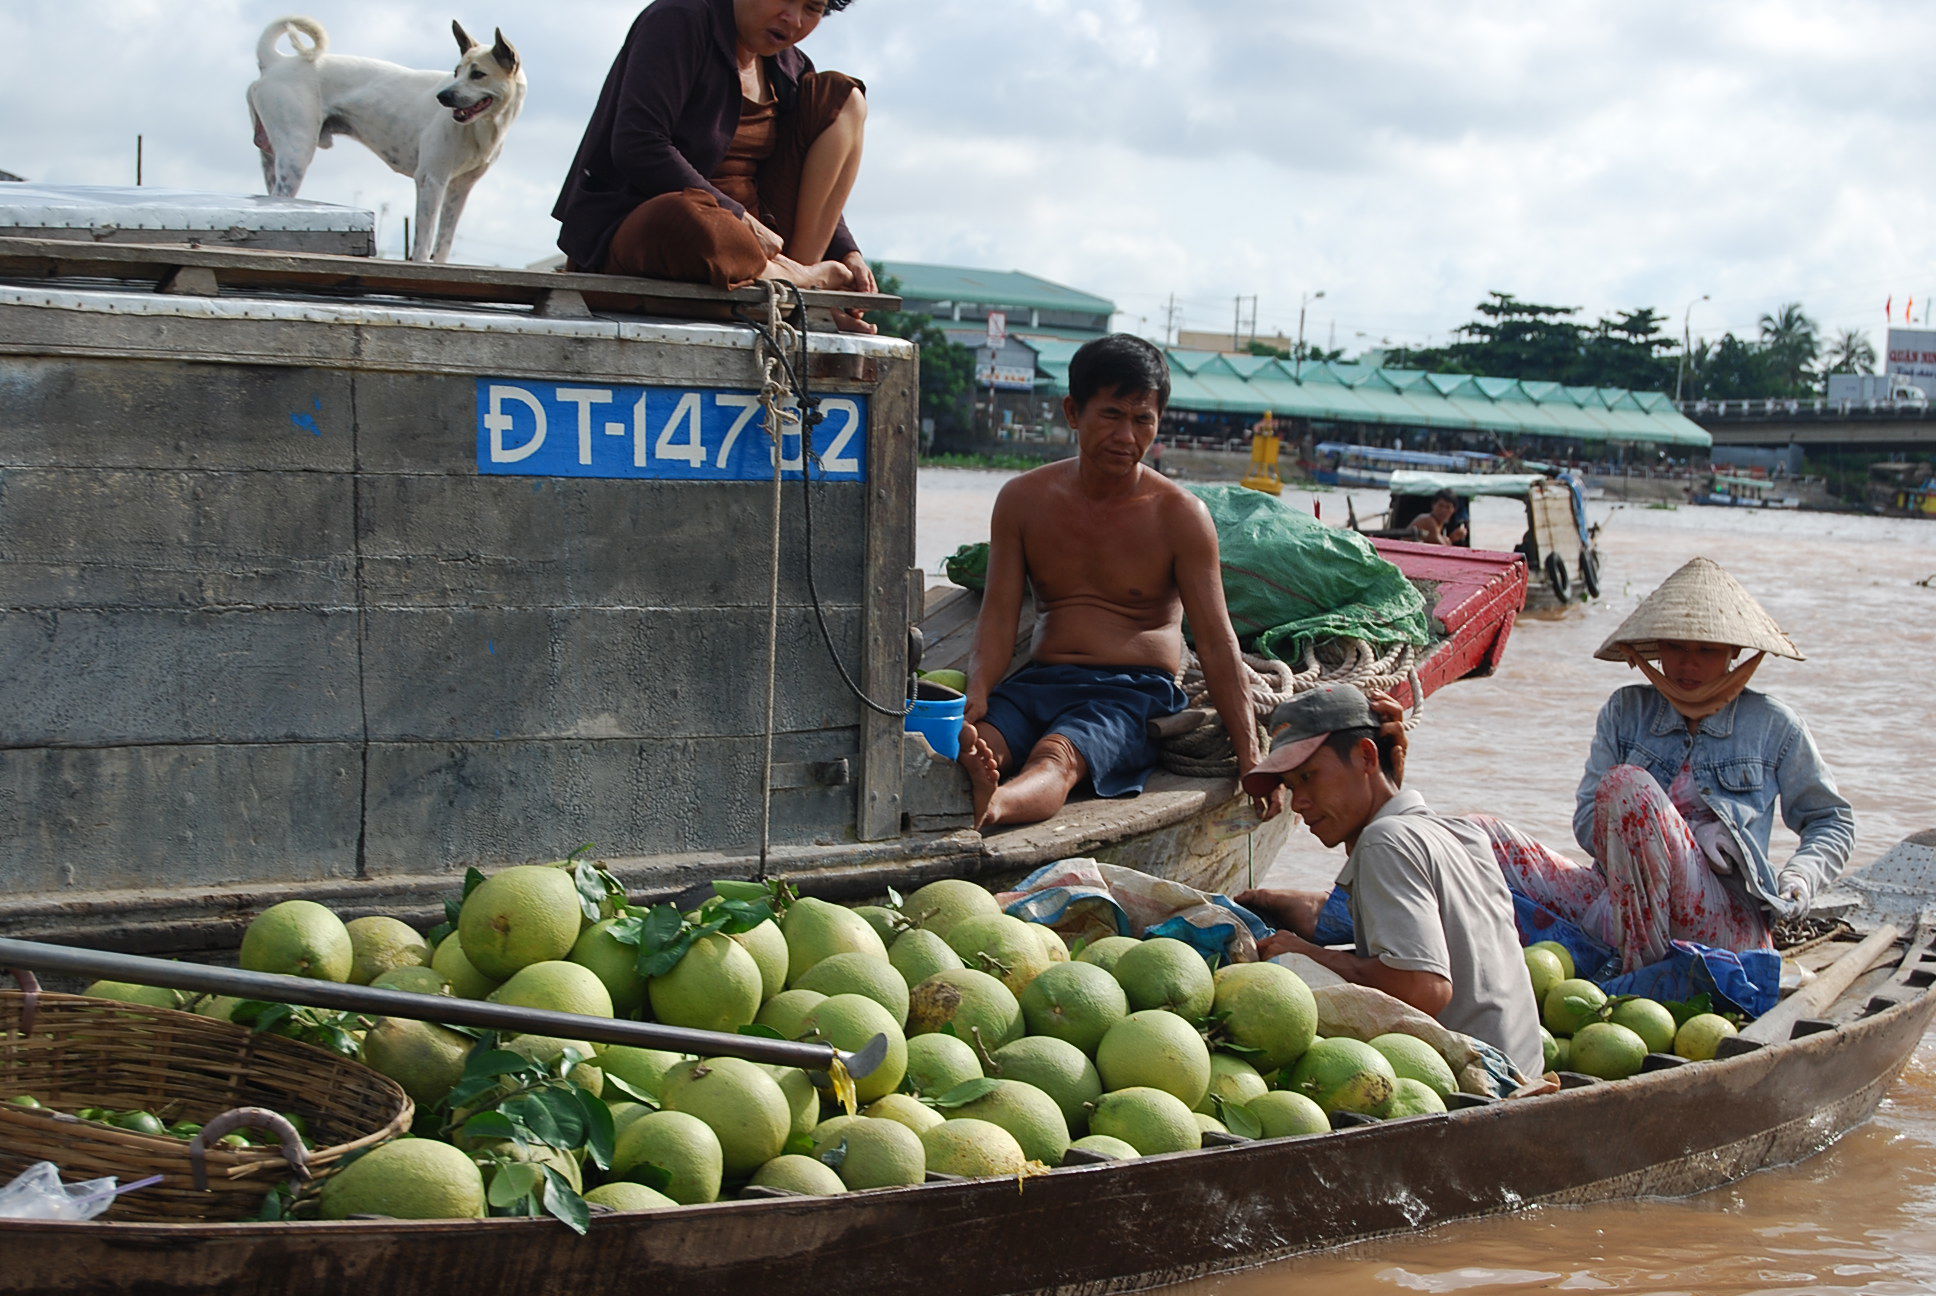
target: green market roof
1338 392
996 288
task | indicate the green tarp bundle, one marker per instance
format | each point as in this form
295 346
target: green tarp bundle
1290 580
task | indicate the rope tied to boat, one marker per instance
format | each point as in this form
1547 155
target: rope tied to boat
769 352
1206 751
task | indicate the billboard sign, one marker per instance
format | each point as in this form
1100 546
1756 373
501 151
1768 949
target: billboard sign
1912 355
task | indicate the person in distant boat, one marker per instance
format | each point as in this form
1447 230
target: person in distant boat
1441 524
1431 915
717 154
1117 555
1682 786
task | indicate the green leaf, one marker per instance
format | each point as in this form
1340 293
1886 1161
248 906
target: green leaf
553 1115
473 878
600 1136
440 933
513 1180
492 1125
761 1031
595 886
586 849
798 1145
748 891
966 1092
1239 1119
564 1203
654 1177
453 909
636 1095
894 900
741 915
500 1062
1687 1009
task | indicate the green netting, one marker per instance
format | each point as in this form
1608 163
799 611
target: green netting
968 566
1291 580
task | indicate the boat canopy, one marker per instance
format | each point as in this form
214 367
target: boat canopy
1379 457
1516 485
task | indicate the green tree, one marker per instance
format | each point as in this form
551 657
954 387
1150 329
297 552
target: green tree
1528 340
1851 352
947 368
1730 369
1789 337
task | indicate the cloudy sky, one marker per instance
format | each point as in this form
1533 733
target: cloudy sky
1401 156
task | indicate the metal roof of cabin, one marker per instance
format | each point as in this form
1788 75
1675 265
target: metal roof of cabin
997 288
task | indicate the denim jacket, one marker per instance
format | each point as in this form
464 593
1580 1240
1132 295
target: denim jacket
1745 756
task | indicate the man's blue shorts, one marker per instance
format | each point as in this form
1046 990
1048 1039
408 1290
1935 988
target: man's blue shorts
1105 711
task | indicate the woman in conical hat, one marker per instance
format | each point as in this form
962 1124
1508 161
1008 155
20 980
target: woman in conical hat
1683 782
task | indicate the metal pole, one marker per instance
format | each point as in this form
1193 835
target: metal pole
1680 368
273 988
138 141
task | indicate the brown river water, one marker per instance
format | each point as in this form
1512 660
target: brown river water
1860 1217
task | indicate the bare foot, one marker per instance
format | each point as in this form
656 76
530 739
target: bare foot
984 772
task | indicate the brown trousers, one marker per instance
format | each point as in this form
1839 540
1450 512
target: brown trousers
688 237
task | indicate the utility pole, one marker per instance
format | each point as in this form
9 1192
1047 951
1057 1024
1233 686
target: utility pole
1169 322
1680 369
137 161
1237 321
1303 302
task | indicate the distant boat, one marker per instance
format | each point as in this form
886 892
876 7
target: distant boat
1730 491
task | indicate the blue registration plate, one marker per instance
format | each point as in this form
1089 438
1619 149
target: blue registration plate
543 429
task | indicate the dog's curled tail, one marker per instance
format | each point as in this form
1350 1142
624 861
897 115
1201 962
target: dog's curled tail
306 37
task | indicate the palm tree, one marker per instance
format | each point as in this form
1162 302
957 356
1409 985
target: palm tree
1852 352
1789 337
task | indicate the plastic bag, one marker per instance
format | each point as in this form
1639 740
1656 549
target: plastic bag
37 1193
1085 898
968 566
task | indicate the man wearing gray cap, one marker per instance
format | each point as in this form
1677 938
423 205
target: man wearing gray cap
1433 917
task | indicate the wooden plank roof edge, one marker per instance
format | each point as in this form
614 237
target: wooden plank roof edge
53 257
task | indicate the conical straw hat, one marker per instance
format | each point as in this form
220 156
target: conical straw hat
1700 603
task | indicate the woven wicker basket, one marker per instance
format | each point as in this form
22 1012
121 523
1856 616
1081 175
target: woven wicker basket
95 1053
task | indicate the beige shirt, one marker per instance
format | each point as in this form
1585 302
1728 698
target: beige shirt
1427 896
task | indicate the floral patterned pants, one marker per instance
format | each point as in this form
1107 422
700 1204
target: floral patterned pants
1652 884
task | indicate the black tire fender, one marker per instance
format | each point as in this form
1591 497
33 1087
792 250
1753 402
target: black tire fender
1557 577
1590 574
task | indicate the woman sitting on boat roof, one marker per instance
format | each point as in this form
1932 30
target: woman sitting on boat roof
717 154
1682 783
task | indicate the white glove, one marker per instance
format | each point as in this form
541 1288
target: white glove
1793 893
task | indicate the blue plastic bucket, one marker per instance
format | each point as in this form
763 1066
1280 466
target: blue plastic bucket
940 723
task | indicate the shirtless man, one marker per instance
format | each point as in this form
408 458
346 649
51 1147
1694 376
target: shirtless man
1116 555
1436 527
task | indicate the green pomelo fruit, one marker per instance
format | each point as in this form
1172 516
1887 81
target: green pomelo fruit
787 1011
550 1050
1103 953
623 1196
861 974
1647 1019
973 1149
1052 943
1104 1145
1158 1050
1608 1051
1233 1080
222 1007
887 923
1562 1054
642 1069
768 946
681 1146
938 906
1167 974
1412 1058
379 945
938 1063
1572 1004
556 987
1209 1124
1056 1067
918 955
877 1154
1343 1074
742 1103
715 987
139 995
1410 1098
426 1059
1549 1049
798 1174
824 1133
1544 969
1074 1002
954 679
850 1022
1149 1120
911 1112
816 930
1701 1035
624 1112
980 1009
412 980
1002 946
1026 1112
1560 952
614 963
298 938
1267 1008
408 1178
522 915
455 966
1284 1114
803 1100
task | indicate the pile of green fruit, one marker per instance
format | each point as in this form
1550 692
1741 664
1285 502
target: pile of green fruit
1005 1047
1586 1032
138 1121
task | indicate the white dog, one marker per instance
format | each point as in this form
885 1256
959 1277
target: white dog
443 132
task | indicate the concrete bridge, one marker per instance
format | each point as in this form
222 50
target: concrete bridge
1877 426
